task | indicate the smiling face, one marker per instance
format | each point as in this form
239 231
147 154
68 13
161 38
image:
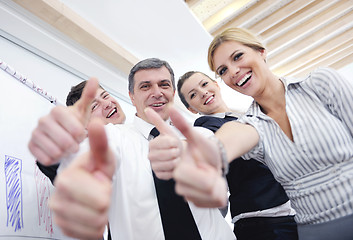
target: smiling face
241 68
152 88
203 95
105 107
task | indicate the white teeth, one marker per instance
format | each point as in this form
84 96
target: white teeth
209 99
244 79
157 104
112 112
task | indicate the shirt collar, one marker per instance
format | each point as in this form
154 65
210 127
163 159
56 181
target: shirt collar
144 127
219 115
289 80
223 114
255 109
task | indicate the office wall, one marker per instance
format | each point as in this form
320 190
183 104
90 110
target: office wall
24 190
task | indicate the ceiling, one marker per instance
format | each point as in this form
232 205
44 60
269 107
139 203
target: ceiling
299 35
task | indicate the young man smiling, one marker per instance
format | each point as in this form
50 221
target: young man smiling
103 106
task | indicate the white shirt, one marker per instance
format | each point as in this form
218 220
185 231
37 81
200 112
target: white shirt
134 212
316 169
284 209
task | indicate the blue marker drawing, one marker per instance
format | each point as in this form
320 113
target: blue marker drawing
13 169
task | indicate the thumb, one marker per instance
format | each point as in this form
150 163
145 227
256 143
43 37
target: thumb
82 106
155 119
184 127
101 157
191 154
199 148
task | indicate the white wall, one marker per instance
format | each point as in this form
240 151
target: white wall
24 190
53 64
23 28
347 71
155 28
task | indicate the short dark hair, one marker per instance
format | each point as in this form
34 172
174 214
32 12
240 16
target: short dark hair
75 93
149 63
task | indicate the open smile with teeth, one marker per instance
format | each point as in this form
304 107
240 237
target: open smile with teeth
157 104
112 112
244 80
209 100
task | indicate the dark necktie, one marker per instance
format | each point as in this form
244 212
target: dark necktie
177 220
229 118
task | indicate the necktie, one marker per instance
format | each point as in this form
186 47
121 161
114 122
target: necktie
229 118
177 220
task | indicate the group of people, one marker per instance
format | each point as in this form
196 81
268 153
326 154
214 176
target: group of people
286 162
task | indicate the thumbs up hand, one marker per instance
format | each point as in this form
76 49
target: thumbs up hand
60 132
197 175
83 190
196 171
164 150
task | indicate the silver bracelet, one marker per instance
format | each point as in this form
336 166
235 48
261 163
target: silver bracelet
224 159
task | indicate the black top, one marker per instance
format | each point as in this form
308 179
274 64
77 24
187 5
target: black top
49 171
251 184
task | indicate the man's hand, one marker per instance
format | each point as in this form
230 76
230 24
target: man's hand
197 174
83 190
61 131
164 150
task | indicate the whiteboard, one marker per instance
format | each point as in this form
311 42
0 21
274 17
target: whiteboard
24 190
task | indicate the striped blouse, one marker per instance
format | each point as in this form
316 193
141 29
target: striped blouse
316 169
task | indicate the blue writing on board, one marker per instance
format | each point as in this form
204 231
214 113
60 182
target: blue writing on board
13 169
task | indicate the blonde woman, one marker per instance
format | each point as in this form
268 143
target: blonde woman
302 129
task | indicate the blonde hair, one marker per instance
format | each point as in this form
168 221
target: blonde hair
239 35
